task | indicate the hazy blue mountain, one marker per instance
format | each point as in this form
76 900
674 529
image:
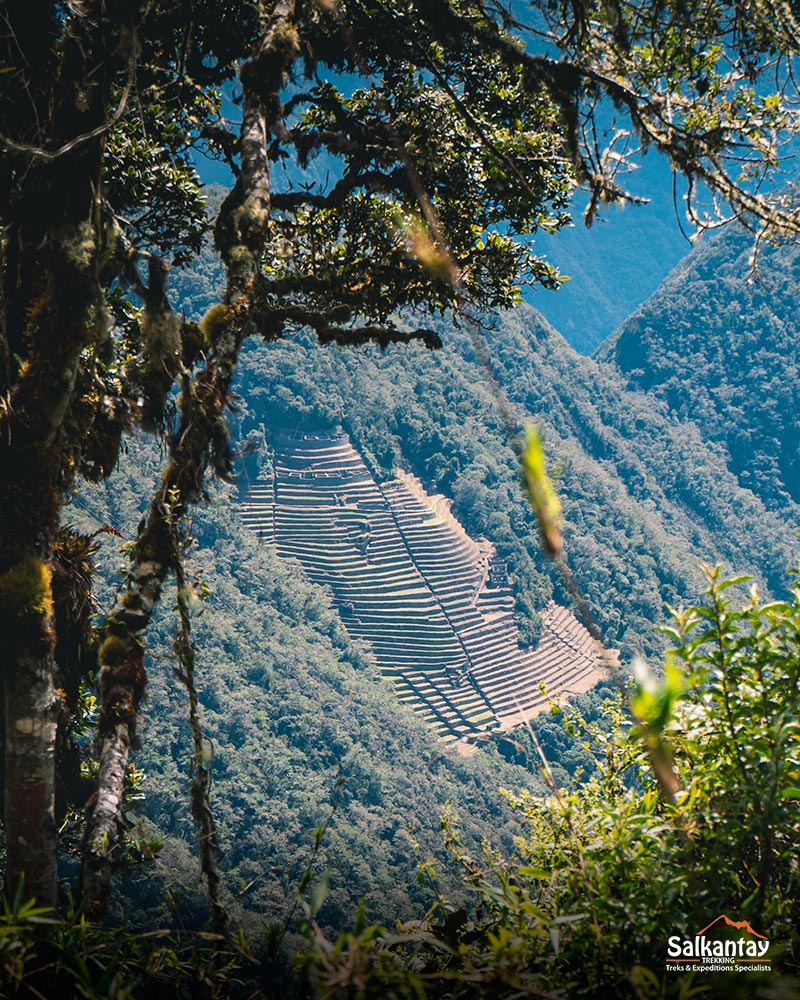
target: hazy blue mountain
617 263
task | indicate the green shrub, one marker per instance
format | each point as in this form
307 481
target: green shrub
605 873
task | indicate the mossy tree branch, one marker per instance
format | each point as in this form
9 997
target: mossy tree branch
199 441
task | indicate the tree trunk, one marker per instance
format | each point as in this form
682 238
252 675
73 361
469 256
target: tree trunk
194 445
30 721
49 288
123 679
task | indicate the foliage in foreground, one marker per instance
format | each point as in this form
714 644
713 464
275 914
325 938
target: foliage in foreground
80 959
601 876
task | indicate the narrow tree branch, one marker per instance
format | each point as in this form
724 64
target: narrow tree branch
370 180
121 655
381 335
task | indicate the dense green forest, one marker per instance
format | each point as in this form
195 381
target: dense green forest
291 705
625 887
299 721
303 733
718 344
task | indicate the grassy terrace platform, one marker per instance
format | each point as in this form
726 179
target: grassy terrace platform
408 579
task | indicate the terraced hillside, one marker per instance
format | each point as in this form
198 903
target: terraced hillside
433 603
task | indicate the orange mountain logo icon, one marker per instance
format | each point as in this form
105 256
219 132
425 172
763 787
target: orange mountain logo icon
739 925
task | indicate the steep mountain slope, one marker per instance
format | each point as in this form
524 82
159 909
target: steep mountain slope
719 344
645 498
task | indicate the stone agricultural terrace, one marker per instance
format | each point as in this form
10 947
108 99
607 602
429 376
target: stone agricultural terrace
434 605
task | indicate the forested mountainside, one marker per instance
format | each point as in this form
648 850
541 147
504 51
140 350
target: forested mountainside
288 698
719 344
645 499
291 707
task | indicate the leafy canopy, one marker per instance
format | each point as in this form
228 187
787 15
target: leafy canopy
446 132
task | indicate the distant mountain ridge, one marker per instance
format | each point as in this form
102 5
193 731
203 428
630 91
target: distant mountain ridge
618 263
719 344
